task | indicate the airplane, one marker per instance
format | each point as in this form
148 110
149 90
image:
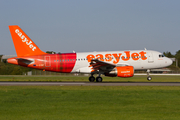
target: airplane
110 63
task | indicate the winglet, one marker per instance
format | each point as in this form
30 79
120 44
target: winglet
23 44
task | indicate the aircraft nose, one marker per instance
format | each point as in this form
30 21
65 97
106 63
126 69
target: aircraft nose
169 61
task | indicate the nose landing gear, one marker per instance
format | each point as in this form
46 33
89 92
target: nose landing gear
149 78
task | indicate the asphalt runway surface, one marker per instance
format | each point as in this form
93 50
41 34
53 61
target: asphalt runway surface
89 84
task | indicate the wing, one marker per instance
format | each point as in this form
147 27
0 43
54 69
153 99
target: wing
101 65
105 67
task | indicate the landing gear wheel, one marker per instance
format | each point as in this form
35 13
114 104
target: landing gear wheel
149 78
98 79
91 79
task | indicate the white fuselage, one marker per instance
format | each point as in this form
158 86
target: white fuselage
139 59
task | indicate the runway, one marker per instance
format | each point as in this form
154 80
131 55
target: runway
89 84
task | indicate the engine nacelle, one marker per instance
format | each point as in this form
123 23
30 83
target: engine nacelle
121 71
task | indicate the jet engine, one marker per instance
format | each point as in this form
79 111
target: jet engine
121 71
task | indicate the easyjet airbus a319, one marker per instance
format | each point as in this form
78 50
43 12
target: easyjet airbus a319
111 63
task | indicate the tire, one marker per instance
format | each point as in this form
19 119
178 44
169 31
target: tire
149 78
91 79
98 79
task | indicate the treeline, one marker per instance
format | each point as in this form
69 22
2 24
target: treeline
9 69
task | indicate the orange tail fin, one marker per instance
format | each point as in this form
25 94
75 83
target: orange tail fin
23 44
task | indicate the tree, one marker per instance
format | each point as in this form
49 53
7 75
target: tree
51 52
168 54
177 56
0 57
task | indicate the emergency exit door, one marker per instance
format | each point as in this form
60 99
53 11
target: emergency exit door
47 61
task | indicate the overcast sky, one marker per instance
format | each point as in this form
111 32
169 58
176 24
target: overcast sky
93 25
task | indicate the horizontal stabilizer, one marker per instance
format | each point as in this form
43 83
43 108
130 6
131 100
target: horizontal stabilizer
26 61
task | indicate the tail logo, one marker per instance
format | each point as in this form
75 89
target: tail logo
25 40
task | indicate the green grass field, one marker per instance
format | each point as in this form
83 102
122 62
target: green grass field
89 103
138 78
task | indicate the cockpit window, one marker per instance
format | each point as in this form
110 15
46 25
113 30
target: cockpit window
161 55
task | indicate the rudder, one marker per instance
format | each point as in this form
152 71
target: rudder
24 46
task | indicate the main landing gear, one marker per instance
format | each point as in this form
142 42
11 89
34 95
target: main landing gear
149 78
98 79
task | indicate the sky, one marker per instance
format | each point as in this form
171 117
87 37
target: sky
93 25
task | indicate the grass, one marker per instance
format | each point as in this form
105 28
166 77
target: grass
89 102
137 78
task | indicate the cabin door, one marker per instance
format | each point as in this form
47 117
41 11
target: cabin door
150 57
